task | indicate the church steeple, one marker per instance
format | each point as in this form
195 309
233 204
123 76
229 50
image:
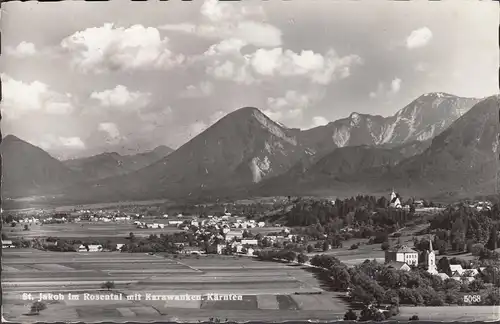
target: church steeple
430 257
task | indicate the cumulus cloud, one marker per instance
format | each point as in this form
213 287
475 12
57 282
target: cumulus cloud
110 48
20 98
23 49
385 91
232 20
51 142
320 69
419 38
111 130
120 96
203 89
319 121
228 63
289 109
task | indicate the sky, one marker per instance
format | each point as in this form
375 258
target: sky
81 78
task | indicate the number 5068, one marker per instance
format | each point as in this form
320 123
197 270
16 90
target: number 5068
472 298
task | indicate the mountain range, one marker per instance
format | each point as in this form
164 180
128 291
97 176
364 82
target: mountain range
27 170
107 165
429 143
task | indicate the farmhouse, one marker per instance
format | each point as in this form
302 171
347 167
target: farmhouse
234 235
91 248
6 244
249 242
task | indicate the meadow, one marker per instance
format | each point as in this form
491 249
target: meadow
269 290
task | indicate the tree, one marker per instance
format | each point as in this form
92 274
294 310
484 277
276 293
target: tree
414 318
302 258
13 224
350 315
443 265
371 314
37 307
26 228
310 248
493 240
326 246
131 236
108 285
9 219
477 249
385 246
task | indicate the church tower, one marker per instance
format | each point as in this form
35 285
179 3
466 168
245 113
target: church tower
430 258
393 195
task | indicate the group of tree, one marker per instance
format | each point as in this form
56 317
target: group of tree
459 228
375 283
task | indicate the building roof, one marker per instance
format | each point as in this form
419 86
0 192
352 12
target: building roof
396 265
403 249
7 242
456 267
443 275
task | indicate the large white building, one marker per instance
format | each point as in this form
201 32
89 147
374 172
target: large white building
402 254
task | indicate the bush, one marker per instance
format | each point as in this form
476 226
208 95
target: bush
350 315
385 246
108 285
476 249
302 258
37 307
354 246
414 318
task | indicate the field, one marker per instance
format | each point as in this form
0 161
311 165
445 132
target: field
267 289
111 230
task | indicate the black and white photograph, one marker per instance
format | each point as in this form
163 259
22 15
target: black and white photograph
215 161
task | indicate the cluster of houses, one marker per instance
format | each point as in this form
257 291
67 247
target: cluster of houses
403 257
481 205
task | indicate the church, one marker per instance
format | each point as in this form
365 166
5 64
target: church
403 257
395 201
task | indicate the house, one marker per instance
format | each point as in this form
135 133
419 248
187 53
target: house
119 246
397 265
249 242
250 251
402 254
175 222
6 244
92 248
234 235
261 224
192 250
220 248
395 202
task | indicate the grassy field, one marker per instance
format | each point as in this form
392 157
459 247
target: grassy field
86 230
267 289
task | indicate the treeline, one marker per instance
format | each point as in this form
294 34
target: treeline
354 211
374 283
461 228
